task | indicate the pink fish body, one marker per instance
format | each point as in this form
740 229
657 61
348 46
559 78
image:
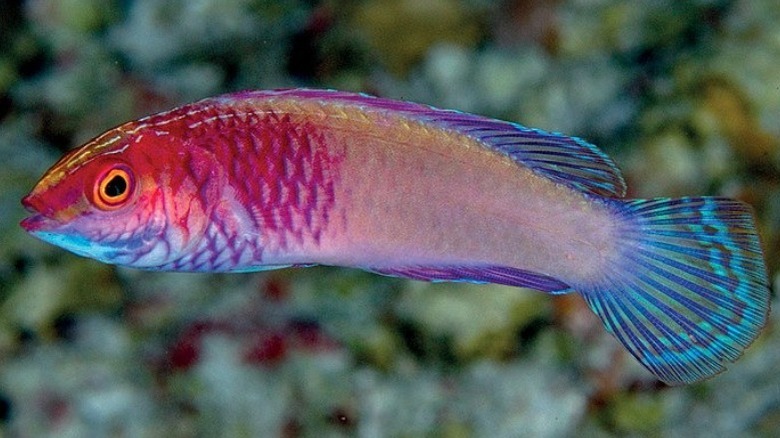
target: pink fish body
267 179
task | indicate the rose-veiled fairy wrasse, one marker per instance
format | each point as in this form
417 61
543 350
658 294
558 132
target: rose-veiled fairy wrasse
266 179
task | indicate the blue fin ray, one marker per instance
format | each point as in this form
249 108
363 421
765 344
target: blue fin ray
688 291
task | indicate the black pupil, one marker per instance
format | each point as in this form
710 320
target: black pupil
116 186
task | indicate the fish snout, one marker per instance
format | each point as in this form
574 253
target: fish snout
32 203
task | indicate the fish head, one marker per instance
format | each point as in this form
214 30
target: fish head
112 200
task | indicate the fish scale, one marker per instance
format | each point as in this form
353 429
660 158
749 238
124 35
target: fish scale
266 179
290 188
292 203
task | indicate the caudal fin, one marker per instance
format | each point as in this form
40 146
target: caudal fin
688 290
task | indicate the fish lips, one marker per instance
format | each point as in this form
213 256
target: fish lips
41 220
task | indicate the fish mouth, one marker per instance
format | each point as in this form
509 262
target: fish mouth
38 222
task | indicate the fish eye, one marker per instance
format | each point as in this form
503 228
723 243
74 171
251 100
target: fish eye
113 188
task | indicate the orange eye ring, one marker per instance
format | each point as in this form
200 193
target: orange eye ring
113 189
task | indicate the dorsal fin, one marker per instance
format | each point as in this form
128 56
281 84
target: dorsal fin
565 160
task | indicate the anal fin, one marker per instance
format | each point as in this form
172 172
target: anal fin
477 274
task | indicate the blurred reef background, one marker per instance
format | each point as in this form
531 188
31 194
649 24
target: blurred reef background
685 96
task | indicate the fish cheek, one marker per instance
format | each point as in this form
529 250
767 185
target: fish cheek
186 210
190 226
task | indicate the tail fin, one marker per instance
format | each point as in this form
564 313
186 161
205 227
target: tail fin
688 290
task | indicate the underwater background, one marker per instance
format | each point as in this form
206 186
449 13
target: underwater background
684 95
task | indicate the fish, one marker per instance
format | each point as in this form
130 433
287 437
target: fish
266 179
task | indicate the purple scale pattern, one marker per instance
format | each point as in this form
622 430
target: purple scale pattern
276 182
